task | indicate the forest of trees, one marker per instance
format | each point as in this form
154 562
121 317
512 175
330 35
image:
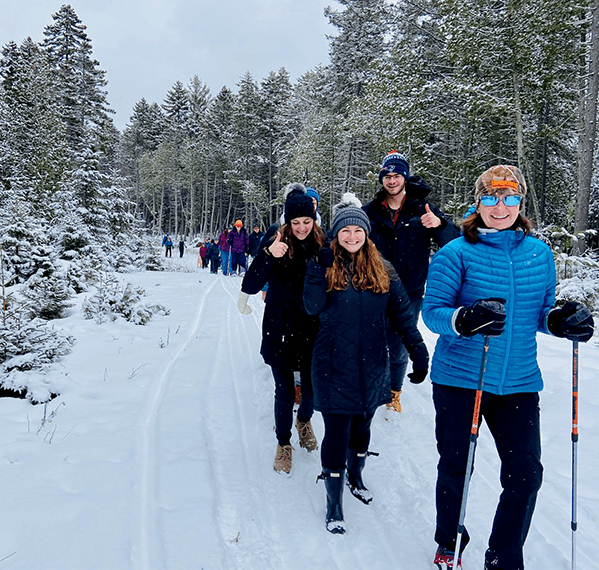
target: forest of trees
455 86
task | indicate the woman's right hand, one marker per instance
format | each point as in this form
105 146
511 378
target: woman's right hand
278 248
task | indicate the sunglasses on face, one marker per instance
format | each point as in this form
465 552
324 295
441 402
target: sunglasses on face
508 200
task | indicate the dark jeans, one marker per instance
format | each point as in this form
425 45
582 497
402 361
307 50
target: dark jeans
285 398
343 432
514 423
237 259
398 355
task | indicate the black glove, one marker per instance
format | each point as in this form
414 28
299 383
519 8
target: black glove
417 376
572 321
325 257
486 317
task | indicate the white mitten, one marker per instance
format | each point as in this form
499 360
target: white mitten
242 304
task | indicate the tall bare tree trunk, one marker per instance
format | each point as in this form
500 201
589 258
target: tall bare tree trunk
522 160
588 127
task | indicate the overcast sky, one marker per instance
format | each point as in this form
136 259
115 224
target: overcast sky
145 46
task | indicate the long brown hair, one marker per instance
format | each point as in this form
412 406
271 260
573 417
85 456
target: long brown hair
313 241
366 268
471 224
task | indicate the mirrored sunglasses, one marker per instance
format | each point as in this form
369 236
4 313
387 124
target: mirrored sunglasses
508 200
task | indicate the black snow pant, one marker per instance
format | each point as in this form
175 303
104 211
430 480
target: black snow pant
514 423
285 398
343 432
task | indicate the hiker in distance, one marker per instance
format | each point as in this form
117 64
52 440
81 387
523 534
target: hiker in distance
353 291
495 281
288 332
405 226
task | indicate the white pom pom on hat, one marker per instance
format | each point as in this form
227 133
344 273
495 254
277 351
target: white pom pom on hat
349 213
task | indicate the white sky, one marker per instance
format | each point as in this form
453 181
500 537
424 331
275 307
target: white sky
145 46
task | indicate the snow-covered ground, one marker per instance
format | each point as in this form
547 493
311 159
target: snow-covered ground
158 455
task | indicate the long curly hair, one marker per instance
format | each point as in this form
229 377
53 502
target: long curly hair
366 269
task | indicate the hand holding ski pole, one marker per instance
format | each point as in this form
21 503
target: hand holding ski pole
573 321
486 317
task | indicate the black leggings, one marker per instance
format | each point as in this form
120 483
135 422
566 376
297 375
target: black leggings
343 432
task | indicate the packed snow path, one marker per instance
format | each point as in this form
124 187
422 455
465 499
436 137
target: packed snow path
158 455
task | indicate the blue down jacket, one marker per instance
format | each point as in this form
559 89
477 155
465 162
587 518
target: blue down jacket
508 265
350 370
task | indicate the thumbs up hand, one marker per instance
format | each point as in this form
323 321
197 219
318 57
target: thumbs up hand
429 220
278 248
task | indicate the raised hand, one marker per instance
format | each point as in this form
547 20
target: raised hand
278 248
429 220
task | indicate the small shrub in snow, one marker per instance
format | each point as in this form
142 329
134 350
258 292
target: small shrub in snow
578 279
46 297
27 346
112 300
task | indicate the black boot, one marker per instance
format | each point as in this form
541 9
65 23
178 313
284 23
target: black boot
355 464
333 481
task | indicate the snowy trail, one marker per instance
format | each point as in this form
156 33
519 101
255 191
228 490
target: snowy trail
159 456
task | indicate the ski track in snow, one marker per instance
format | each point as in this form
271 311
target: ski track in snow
247 515
192 459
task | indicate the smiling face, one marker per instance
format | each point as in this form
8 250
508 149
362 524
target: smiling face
351 238
500 216
301 227
393 183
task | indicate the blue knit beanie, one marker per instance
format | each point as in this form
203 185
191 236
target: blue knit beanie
312 193
349 213
394 163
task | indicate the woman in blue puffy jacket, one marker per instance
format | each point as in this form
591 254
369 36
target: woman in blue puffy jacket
354 291
495 281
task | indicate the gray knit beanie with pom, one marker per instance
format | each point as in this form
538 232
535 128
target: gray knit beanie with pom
349 213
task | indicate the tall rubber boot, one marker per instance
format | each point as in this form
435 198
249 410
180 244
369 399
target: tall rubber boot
333 482
355 464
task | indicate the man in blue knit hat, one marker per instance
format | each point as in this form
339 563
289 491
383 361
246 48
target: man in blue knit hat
404 227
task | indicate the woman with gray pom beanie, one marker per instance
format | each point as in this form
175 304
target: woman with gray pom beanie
353 290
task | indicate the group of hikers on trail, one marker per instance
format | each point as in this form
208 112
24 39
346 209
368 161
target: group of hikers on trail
342 308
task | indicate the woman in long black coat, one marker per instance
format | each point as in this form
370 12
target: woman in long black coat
354 290
288 332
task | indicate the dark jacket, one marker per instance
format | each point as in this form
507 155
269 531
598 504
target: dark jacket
254 242
213 251
288 332
350 370
408 245
238 240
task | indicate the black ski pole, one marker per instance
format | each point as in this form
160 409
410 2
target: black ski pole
574 523
473 438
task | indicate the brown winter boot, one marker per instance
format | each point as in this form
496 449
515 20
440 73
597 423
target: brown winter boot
395 404
307 439
283 459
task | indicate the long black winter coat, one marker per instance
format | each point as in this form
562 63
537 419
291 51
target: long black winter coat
350 372
408 245
288 332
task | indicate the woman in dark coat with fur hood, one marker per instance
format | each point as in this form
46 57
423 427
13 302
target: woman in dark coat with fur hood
288 332
354 290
